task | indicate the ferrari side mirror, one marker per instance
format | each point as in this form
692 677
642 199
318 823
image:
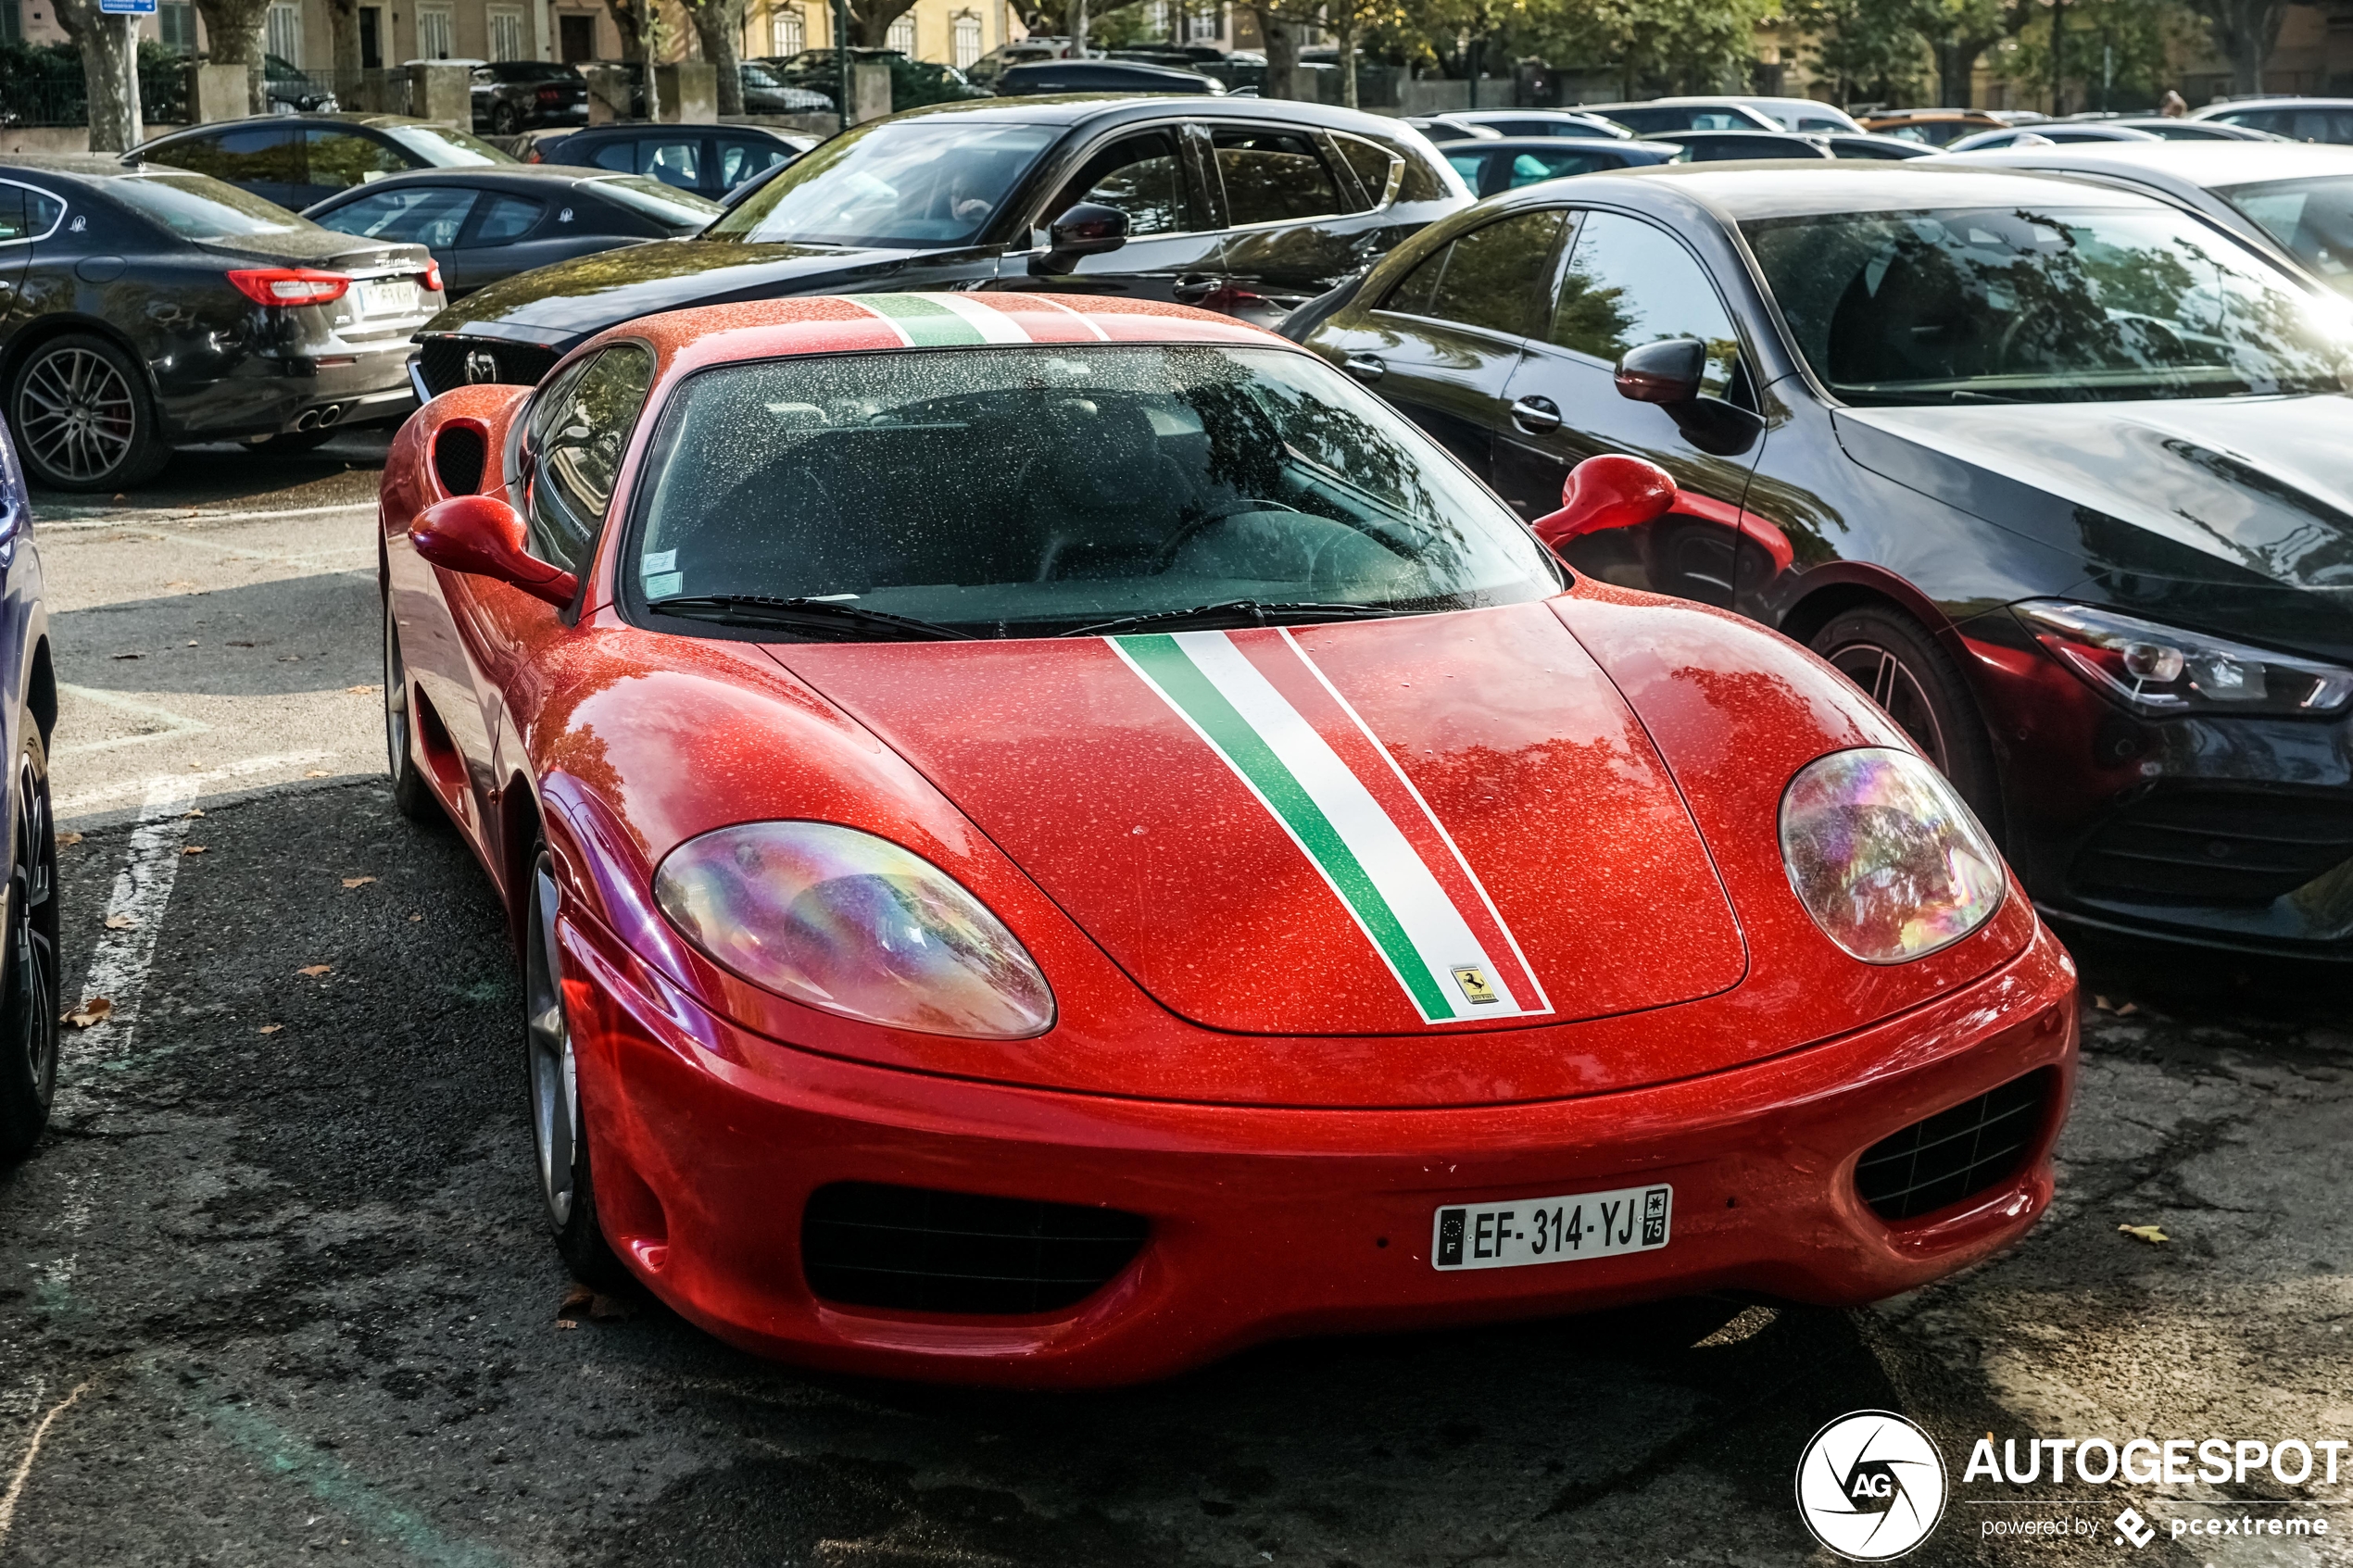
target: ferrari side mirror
1088 229
1606 492
482 536
1667 371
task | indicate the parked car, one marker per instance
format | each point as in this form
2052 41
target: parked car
1446 128
984 71
766 92
2055 471
2174 127
512 97
1936 127
154 306
906 733
32 951
1492 168
1721 147
2297 201
291 91
485 224
1102 76
299 160
1520 122
1804 115
2299 120
2061 133
708 160
1869 145
1655 115
912 83
1098 195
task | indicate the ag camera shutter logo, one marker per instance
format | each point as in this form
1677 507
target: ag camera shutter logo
1871 1485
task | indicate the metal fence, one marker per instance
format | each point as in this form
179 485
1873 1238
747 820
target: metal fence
64 100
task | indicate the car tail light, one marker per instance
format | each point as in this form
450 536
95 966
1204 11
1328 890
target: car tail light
531 153
551 95
289 285
430 277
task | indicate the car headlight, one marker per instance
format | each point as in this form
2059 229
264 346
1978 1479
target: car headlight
852 923
2161 670
1885 856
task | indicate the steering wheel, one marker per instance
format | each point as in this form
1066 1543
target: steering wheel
1165 557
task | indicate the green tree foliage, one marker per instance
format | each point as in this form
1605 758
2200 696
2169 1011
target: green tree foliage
2115 54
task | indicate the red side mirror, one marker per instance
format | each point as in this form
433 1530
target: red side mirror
1607 492
482 536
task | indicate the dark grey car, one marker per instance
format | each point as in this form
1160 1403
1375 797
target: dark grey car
298 159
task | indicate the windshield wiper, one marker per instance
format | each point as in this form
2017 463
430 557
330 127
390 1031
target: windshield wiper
1240 612
820 616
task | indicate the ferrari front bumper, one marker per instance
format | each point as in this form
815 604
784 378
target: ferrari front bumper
1268 1223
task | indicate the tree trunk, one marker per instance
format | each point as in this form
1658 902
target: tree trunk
720 25
232 29
109 48
2244 34
1348 55
1282 53
343 33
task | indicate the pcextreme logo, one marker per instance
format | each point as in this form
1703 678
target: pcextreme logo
1871 1485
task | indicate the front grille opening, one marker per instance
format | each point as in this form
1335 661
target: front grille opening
459 454
864 1244
449 362
2203 846
1955 1154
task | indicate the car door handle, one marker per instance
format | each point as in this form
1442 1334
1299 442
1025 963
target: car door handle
1192 288
1363 367
1538 416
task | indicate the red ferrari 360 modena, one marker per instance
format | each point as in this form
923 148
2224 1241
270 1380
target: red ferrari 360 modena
1051 841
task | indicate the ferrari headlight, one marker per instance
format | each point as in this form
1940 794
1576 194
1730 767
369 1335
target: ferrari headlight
852 923
1885 856
2159 670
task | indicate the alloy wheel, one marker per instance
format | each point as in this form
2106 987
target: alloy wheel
555 1086
77 413
1891 683
33 935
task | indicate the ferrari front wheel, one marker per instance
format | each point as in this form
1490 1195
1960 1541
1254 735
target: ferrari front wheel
1913 682
558 1137
410 794
29 997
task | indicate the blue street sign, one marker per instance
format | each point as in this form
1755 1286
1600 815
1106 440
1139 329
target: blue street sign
128 7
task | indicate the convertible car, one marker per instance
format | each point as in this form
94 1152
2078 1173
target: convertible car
1206 873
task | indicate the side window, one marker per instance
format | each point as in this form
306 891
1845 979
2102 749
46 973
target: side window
1274 177
504 219
673 160
1142 176
341 159
739 161
255 155
1530 167
1412 298
1629 282
1496 274
16 222
419 215
1471 167
619 156
1374 167
577 453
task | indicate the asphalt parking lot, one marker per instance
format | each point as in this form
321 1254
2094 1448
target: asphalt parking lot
273 1289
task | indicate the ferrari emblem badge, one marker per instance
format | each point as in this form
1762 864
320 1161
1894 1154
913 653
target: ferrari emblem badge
1473 980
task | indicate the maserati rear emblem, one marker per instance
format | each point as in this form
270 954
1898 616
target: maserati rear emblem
481 365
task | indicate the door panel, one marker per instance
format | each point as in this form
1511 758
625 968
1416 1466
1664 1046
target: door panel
1627 283
1295 224
1173 246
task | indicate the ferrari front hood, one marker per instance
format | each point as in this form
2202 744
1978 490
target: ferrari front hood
1430 823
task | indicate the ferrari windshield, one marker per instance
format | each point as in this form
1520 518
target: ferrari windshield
2312 218
2019 305
1034 492
903 182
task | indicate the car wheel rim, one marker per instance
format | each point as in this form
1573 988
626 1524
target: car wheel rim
1891 683
76 414
555 1086
33 944
395 697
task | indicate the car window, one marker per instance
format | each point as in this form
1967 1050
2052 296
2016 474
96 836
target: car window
341 159
739 161
577 450
197 207
1374 167
1493 277
673 160
1274 177
422 215
1142 176
1724 149
1629 282
1530 167
252 155
27 214
900 181
442 146
1471 167
2313 218
505 218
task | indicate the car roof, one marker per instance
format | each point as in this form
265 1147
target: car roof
1558 144
2211 110
493 174
630 130
212 127
1737 193
1078 108
86 166
2202 164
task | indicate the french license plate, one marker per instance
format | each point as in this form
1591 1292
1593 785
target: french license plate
1551 1230
387 296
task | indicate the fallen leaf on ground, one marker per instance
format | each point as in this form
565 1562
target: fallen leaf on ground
2149 1234
358 880
317 773
566 1323
2122 1009
603 1308
191 811
270 1029
363 691
66 838
315 969
234 643
182 582
192 642
94 1010
416 917
192 849
120 922
131 656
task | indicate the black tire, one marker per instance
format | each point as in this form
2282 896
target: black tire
558 1136
29 1001
291 443
81 416
504 121
1901 667
411 796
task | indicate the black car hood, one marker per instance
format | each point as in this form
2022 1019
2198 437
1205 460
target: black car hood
559 304
2230 513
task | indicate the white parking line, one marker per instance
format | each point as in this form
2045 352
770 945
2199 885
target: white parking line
81 524
244 768
175 723
134 915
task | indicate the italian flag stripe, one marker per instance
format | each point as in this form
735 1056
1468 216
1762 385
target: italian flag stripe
942 320
1302 753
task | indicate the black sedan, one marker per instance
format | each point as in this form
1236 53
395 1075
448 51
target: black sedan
1104 76
298 159
485 224
1491 167
2061 474
152 306
512 97
1241 206
708 160
1725 146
